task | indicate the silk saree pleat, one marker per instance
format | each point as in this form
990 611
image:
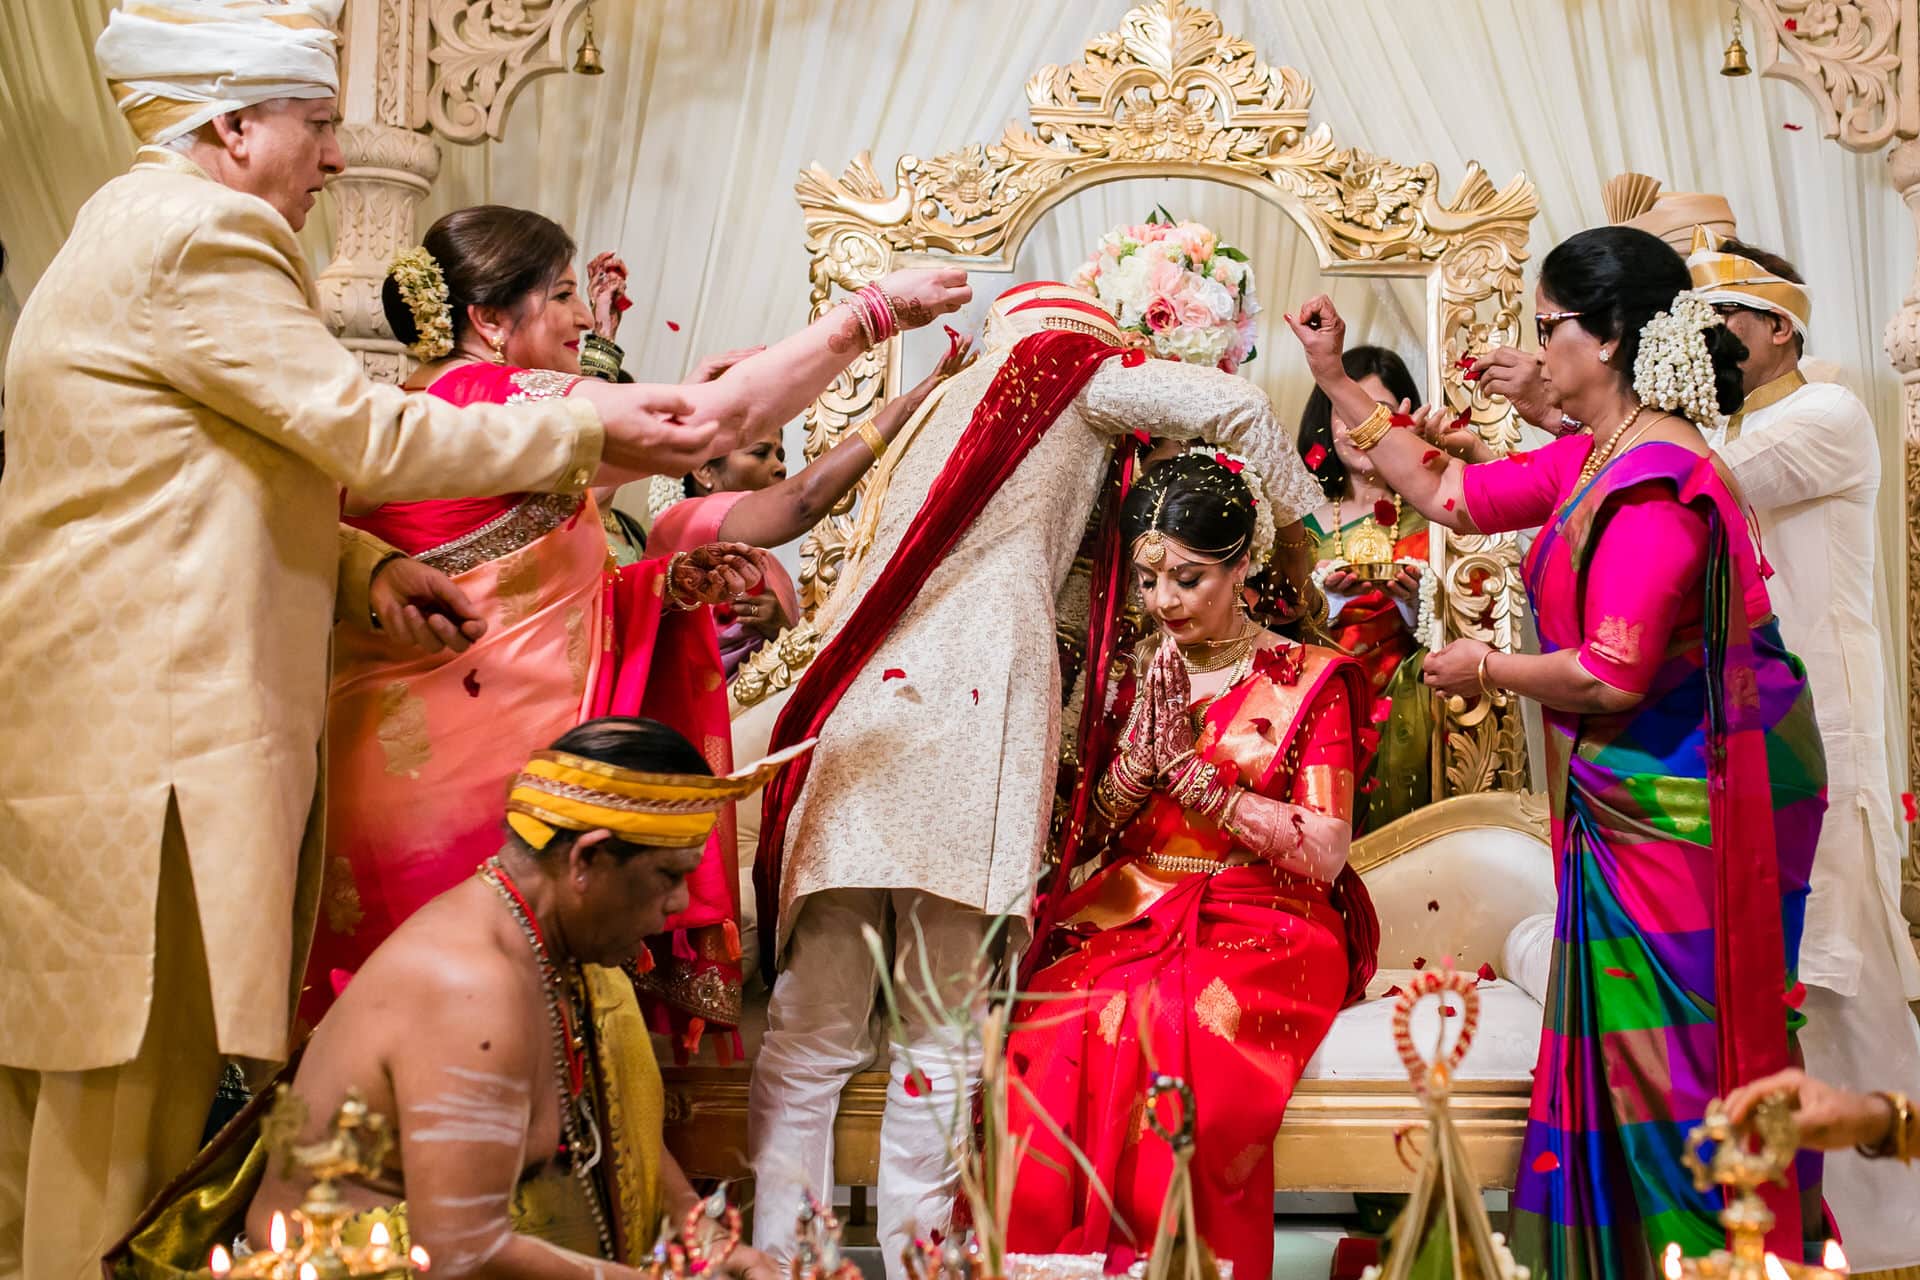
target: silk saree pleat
1684 831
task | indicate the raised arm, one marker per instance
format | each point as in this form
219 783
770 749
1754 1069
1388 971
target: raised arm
1418 471
779 513
783 380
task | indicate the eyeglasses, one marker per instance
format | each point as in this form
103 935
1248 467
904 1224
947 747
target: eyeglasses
1725 309
1547 321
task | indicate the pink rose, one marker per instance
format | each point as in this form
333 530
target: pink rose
1194 310
1161 315
1164 278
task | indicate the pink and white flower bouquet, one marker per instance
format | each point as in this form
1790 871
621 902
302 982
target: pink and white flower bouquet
1192 296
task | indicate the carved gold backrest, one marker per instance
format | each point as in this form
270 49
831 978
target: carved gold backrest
1171 94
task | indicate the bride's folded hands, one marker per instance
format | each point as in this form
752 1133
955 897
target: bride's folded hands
1292 837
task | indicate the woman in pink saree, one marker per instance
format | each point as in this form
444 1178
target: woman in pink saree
1226 929
421 748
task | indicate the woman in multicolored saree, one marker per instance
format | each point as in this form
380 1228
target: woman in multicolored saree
1226 929
1686 774
420 749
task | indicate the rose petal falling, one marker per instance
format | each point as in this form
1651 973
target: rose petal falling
1384 514
1133 359
893 673
1613 971
1907 802
1485 973
976 697
1426 459
471 683
1790 127
1140 434
1232 464
1315 456
1419 962
674 325
1546 1162
1382 710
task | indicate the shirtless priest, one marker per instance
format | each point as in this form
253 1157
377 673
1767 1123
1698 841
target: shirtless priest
496 1031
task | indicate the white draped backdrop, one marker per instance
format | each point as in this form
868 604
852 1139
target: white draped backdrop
683 156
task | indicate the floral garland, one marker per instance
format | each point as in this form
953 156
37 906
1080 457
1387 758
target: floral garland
1260 549
424 289
1191 296
1674 369
663 492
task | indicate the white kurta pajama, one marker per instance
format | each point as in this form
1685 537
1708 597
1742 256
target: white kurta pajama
1809 465
937 785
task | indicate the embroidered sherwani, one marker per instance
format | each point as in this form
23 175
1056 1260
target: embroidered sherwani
1806 458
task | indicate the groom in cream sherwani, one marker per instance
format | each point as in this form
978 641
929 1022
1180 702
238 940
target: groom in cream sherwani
927 806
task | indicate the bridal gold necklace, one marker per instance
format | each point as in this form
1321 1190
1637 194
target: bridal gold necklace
1217 654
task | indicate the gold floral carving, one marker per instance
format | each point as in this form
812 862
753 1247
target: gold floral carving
1171 93
472 57
1217 1010
1854 59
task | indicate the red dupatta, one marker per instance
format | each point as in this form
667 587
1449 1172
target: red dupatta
1042 375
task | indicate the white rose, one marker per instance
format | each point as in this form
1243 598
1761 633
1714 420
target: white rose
1194 344
1220 300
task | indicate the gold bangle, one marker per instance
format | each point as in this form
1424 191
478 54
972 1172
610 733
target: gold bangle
1304 540
1897 1142
1373 430
1481 674
875 441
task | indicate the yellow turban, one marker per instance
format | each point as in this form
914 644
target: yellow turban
562 792
173 65
1719 276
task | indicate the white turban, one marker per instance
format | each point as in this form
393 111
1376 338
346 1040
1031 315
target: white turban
173 65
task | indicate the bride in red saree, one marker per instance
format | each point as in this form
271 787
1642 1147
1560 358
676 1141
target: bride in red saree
421 748
1225 930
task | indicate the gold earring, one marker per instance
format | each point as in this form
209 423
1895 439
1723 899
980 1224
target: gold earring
499 345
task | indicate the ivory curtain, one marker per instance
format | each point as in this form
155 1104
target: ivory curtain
683 156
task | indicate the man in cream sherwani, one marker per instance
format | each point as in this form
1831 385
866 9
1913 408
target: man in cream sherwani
927 807
179 424
1806 458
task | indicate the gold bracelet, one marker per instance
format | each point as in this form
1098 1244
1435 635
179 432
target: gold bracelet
1481 673
1897 1143
1373 430
875 441
1304 540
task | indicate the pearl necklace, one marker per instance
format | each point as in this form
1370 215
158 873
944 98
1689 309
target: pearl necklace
1599 455
580 1130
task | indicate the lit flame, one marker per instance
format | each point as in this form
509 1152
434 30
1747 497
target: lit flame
219 1261
418 1257
1775 1271
1834 1258
1670 1261
277 1233
378 1237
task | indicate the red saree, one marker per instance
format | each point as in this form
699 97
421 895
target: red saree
421 747
1227 979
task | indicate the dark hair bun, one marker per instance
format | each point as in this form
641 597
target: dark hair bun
1727 351
399 314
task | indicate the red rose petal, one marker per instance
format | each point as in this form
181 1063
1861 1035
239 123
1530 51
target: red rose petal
1433 904
1461 422
1486 974
1798 996
893 673
1791 24
1465 362
1370 786
1793 128
471 683
1427 457
674 325
1613 972
338 980
1230 464
1384 514
1133 359
1419 962
1392 992
1382 709
1447 505
976 697
916 1083
622 303
1120 1261
1315 456
1448 1011
1913 812
1546 1162
1400 420
1261 725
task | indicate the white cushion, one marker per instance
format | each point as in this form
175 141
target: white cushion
1528 956
1459 895
1360 1044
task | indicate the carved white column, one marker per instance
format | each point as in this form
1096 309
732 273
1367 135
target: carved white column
389 172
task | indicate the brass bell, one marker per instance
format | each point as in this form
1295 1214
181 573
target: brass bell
1734 62
587 61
